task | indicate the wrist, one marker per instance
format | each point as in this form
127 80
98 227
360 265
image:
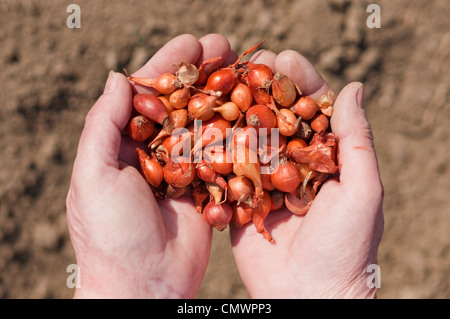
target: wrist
108 283
320 286
358 286
115 282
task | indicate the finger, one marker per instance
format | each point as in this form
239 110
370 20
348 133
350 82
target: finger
232 57
264 57
101 136
214 46
185 47
302 72
128 153
182 219
277 223
356 154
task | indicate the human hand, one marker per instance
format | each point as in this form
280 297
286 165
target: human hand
127 244
324 254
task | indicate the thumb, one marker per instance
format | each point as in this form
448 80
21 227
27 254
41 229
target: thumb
100 140
356 152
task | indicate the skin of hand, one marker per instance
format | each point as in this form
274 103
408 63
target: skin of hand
324 254
127 244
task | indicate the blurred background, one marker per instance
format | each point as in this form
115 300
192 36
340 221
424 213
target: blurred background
51 75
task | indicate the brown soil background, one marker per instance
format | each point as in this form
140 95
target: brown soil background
51 75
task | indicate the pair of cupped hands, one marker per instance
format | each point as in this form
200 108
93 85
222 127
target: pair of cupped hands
130 245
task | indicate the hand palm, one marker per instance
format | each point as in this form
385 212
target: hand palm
128 244
314 251
327 251
143 228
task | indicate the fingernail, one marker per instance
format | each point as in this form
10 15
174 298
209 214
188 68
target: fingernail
360 96
110 82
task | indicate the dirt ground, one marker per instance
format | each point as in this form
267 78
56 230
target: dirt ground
51 75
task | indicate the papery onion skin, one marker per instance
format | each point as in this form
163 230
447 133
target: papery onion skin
320 155
259 76
199 194
317 180
294 143
320 123
289 125
241 214
259 215
241 189
215 191
151 169
305 171
180 141
200 106
242 96
140 128
245 159
266 151
166 100
283 90
178 172
286 177
305 107
180 98
299 205
206 172
260 116
179 175
177 119
325 103
304 131
252 170
261 96
187 74
165 83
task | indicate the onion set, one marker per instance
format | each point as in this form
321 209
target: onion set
241 140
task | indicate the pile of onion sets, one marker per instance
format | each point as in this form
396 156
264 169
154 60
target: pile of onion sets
242 141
